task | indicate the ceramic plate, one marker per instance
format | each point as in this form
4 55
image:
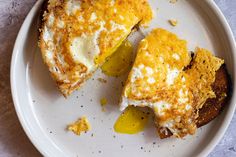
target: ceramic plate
44 113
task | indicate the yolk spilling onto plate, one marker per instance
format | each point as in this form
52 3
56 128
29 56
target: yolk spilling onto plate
120 62
132 121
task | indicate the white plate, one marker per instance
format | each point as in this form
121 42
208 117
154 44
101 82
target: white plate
44 113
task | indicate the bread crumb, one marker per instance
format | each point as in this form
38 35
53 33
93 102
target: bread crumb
81 125
102 80
173 22
173 1
103 103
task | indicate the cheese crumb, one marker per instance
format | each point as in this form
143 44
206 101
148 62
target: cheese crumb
81 125
173 22
173 1
103 103
102 80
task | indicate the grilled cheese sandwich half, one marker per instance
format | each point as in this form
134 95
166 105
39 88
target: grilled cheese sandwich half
159 80
77 36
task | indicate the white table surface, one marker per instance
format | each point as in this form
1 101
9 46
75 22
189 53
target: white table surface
13 141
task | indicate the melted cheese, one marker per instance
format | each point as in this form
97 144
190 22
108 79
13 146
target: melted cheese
72 6
160 82
77 36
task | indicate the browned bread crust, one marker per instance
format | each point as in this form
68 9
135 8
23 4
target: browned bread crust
42 11
213 107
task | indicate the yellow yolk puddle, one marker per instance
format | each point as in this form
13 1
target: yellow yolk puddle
120 62
132 121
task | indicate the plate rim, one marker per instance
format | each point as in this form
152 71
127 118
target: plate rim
229 116
16 103
28 20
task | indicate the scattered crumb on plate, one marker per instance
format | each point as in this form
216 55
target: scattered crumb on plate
103 102
173 1
102 80
81 125
173 22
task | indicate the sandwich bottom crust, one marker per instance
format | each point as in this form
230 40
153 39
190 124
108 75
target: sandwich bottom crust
213 106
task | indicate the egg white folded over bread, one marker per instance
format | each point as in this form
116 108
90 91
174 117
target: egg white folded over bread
163 79
77 36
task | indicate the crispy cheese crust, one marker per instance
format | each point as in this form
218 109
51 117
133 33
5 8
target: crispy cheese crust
159 80
81 125
213 106
78 35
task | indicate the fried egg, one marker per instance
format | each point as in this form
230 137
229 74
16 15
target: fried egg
77 36
160 80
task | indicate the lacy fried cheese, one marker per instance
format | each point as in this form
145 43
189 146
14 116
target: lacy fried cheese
80 126
159 80
78 35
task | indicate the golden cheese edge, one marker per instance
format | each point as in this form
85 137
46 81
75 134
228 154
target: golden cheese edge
141 11
80 126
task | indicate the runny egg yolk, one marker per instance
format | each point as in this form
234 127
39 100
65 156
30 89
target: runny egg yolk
120 62
131 121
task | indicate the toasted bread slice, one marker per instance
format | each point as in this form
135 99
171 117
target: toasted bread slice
213 106
77 36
